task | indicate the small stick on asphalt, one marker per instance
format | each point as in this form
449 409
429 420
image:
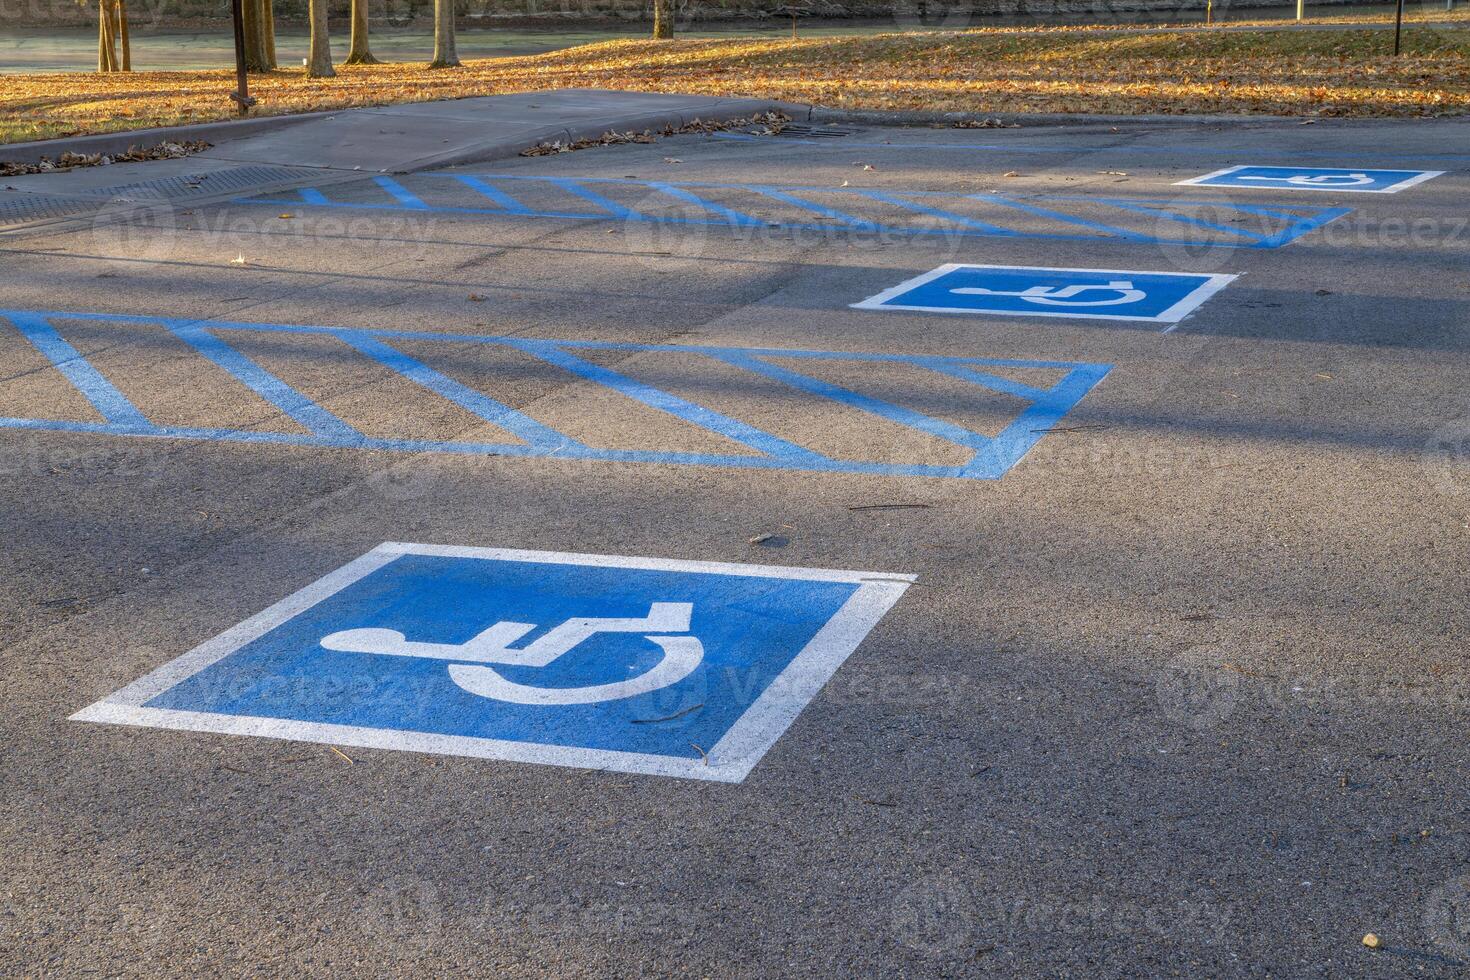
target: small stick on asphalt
676 714
701 752
342 754
885 506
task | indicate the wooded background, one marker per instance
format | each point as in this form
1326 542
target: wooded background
940 14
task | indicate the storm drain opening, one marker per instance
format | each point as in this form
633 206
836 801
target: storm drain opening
21 207
796 131
205 183
122 202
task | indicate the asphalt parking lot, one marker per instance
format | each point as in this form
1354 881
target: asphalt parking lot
1145 655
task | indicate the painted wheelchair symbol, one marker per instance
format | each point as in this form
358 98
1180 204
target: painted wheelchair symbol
1316 180
1064 295
681 654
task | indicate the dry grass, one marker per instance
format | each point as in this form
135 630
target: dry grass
1337 73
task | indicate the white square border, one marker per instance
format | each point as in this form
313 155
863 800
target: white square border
1211 284
1420 176
730 760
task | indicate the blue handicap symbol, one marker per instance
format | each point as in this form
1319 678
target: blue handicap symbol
1359 181
680 668
1162 297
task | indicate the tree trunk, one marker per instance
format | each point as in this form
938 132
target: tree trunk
359 53
444 54
122 35
255 28
102 64
268 33
106 50
663 20
320 63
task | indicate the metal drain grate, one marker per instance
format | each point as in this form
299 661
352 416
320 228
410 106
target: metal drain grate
811 133
21 208
18 208
205 183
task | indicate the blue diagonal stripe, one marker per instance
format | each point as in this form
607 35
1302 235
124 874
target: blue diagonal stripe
1182 218
1302 225
495 194
832 213
992 381
610 206
875 406
706 418
266 385
1111 230
991 459
1016 439
934 212
736 217
518 424
910 201
111 403
400 193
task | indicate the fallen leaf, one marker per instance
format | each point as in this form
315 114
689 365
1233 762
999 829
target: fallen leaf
1292 74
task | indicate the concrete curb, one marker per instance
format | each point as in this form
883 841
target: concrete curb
222 132
819 115
863 118
215 132
720 112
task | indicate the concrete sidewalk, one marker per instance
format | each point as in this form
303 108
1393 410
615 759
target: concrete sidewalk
414 136
324 147
405 138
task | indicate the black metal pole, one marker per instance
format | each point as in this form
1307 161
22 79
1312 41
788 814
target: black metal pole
242 93
1398 26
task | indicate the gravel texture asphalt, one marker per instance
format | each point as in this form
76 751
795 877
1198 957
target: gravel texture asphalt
1183 693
